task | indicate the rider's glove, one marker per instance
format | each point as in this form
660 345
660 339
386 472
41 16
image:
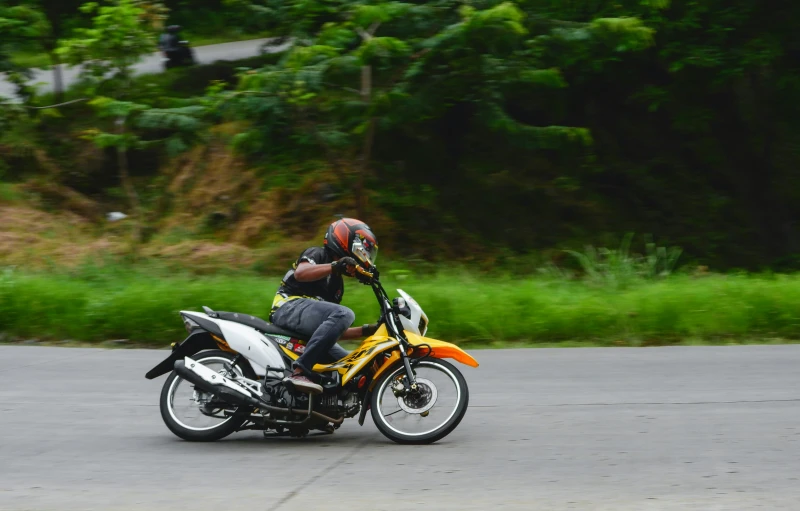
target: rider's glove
364 276
343 265
369 330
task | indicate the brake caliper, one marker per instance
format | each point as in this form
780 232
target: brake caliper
399 386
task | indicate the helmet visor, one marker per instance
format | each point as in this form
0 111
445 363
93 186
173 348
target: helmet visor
365 251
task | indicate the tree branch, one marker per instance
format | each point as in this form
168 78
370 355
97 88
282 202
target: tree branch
559 23
55 106
342 87
368 34
374 27
255 92
364 35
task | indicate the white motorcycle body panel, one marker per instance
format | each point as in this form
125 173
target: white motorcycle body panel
250 343
417 315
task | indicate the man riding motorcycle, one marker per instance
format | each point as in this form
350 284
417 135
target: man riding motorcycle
309 297
175 50
169 41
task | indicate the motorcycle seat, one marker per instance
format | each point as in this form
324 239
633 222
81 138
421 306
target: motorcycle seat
259 324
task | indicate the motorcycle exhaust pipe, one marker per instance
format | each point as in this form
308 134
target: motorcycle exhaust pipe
234 397
221 391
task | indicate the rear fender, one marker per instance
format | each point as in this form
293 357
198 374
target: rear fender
439 349
198 340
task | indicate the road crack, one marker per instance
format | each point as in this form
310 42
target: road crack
327 469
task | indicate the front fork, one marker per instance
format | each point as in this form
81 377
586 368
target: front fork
409 383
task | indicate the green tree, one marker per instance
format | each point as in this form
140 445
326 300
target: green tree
136 126
362 71
262 14
117 40
59 14
19 24
697 134
121 34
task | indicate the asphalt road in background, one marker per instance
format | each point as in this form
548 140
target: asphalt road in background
153 63
677 428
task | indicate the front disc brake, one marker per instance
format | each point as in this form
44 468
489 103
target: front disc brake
422 400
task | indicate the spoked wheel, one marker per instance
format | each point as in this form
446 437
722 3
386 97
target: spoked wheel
196 415
424 416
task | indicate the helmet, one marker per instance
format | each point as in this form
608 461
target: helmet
349 237
174 29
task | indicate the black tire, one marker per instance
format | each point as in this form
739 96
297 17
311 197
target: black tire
433 436
225 428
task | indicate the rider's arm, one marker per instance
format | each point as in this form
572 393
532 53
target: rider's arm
352 333
358 331
307 272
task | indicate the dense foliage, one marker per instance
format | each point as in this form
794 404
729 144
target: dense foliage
486 126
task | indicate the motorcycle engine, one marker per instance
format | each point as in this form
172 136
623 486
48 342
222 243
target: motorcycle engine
351 404
280 396
331 404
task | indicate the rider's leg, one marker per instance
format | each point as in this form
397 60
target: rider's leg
335 354
324 322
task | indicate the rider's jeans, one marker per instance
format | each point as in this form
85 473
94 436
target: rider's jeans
322 322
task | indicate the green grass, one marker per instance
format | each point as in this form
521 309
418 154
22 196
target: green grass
142 306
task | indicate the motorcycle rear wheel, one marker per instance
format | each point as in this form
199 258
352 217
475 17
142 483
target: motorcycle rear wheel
433 428
212 433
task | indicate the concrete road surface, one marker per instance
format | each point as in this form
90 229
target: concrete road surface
678 428
153 63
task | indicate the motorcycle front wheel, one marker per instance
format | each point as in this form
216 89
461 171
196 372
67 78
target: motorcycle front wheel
195 415
427 415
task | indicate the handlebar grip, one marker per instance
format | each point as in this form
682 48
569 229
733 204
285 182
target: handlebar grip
364 272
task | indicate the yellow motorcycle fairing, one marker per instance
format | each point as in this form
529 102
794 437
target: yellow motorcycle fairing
352 364
439 349
373 346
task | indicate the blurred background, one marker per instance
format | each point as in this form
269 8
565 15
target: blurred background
571 172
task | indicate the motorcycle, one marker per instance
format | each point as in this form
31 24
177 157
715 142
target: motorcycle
229 373
182 57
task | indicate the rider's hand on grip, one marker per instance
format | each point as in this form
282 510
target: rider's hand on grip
345 265
364 276
369 330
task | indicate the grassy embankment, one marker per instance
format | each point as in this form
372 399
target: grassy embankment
497 311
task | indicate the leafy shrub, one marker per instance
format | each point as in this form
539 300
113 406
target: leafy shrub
620 268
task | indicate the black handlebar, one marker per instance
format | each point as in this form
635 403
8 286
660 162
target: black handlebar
387 310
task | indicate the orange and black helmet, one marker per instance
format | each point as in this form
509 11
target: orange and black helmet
349 237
